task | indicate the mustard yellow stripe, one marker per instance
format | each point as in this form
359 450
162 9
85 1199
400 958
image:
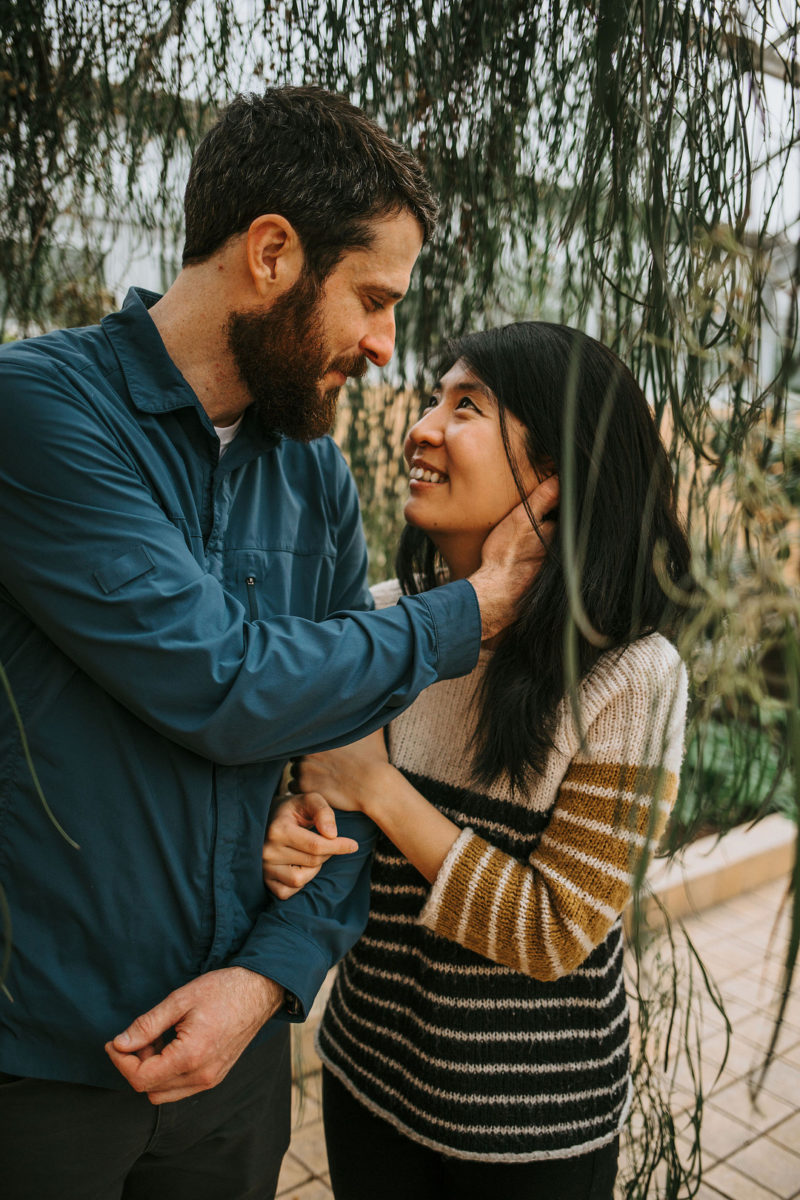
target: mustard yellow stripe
624 777
451 906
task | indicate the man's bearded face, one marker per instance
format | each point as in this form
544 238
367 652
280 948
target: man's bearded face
282 358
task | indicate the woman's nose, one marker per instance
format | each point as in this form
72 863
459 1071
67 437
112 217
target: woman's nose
428 429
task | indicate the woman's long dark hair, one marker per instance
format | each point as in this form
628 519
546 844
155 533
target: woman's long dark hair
617 537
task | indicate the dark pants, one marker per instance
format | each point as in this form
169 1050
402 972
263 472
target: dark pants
368 1158
66 1141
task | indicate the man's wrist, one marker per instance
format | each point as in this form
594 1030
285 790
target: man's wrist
272 994
497 598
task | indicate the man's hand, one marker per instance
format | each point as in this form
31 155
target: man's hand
214 1017
512 556
293 853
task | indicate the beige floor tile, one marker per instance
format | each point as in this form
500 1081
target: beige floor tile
747 992
705 1073
769 976
741 916
742 1057
735 1010
788 1133
757 1028
313 1085
315 1190
720 1136
308 1144
729 956
783 1079
734 1185
792 1011
293 1173
305 1110
737 1102
770 1165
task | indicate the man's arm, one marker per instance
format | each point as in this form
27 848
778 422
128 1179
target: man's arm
94 562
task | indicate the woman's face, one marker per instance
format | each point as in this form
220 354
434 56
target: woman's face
461 483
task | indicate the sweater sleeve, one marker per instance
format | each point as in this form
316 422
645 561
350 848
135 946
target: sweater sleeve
543 917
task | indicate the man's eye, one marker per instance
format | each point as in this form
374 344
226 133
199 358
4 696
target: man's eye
372 304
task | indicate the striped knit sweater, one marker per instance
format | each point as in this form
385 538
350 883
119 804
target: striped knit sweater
485 1016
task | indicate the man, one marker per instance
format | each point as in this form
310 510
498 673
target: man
166 622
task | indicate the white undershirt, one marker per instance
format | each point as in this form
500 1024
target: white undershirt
226 434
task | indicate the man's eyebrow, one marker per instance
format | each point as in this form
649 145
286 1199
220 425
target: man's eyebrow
387 293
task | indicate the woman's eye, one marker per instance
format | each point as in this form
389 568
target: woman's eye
467 402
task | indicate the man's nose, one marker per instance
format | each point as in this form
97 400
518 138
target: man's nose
378 342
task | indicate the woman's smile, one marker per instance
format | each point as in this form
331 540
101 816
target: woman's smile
420 472
458 441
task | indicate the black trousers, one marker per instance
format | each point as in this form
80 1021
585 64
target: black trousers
67 1141
369 1158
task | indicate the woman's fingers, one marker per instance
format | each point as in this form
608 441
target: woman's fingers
277 852
286 881
322 815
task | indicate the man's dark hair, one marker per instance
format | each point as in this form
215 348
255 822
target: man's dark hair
311 156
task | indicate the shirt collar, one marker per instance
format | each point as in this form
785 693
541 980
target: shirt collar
154 382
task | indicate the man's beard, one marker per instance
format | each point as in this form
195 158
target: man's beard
281 357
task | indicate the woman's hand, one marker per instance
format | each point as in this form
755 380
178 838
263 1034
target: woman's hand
348 778
293 853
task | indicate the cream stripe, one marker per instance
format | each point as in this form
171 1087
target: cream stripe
490 1003
460 1065
390 889
607 829
526 901
581 937
463 819
619 1115
472 1097
459 1126
599 865
487 1036
393 918
569 884
620 795
477 969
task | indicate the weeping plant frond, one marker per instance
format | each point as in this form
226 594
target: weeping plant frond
628 168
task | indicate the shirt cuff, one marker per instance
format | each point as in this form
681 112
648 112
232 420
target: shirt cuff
456 618
296 963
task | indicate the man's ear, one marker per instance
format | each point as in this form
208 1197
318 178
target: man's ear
274 254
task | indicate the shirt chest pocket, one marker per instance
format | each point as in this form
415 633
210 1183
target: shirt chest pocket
277 582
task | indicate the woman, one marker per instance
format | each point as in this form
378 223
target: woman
476 1040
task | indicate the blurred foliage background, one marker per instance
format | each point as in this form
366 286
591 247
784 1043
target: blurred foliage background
631 168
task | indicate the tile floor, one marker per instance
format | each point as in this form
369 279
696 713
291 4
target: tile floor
749 1151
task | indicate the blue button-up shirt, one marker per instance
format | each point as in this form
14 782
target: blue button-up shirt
167 627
